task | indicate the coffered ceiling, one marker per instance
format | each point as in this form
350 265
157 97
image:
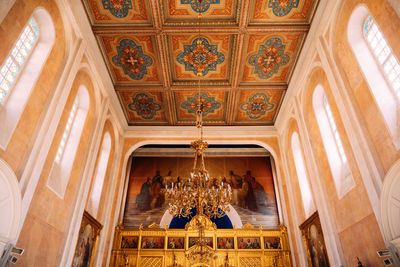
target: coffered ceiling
245 52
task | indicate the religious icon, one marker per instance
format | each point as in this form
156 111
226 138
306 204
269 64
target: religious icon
176 242
272 242
314 241
129 242
193 240
249 243
225 243
152 242
87 241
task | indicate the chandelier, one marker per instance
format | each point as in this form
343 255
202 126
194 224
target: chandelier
209 196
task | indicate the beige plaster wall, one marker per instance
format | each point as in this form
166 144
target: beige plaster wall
389 23
12 25
351 211
44 229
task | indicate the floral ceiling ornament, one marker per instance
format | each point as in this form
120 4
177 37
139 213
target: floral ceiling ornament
200 56
209 103
257 105
200 6
270 58
131 59
119 8
144 106
282 7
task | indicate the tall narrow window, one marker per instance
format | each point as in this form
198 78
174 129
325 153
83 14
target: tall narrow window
336 155
68 146
98 181
334 130
379 65
306 196
21 68
67 130
14 63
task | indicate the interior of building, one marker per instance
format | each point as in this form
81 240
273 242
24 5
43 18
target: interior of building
102 101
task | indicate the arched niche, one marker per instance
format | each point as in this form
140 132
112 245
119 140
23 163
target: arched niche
232 215
10 205
390 211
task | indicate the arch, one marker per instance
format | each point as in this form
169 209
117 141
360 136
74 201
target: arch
10 205
390 210
383 95
274 162
13 106
337 159
302 176
62 165
100 173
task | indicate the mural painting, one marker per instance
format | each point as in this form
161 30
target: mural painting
251 180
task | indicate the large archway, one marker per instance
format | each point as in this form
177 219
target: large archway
390 211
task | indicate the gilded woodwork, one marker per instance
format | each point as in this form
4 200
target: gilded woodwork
166 257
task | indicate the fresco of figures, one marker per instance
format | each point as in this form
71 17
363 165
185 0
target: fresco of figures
250 178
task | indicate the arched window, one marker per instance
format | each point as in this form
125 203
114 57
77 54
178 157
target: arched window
98 181
332 142
62 165
379 65
21 69
306 196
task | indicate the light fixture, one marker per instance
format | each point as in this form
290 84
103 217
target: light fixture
209 196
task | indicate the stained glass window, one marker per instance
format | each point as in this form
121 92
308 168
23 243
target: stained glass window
334 130
383 53
67 131
14 63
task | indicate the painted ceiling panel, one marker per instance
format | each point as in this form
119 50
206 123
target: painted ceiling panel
282 12
118 12
131 59
185 12
244 51
208 54
214 106
271 57
257 106
143 108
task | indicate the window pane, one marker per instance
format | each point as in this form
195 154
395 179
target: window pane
19 53
334 129
67 130
383 53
